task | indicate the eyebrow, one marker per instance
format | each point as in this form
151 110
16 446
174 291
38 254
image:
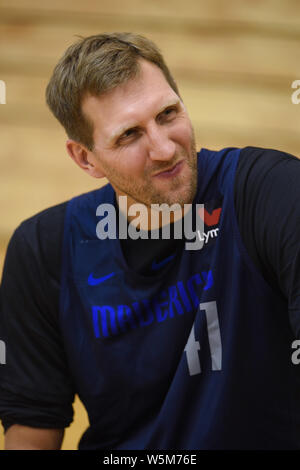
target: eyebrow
118 132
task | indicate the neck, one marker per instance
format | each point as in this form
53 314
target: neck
152 217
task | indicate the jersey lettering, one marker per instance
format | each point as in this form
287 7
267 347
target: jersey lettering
2 352
214 338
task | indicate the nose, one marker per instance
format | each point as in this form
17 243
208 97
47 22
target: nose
160 145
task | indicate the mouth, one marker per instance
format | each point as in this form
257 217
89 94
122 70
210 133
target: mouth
170 172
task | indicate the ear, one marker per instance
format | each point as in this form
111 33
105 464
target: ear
85 159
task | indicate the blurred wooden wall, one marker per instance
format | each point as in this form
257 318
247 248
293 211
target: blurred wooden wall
234 62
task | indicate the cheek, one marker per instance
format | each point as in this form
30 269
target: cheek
182 133
132 161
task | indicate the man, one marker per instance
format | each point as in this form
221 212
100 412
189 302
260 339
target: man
167 347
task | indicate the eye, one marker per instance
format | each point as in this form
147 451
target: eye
168 114
128 135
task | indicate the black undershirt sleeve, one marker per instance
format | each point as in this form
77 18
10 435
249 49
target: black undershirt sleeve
35 384
267 201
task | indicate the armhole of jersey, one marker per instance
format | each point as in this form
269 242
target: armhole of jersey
65 253
237 234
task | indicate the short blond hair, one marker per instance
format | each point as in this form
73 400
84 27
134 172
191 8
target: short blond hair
95 65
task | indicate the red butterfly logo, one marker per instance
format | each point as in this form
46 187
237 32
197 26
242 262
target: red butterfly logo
210 219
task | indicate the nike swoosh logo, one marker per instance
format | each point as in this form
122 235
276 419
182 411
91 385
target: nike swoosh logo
94 282
210 219
156 266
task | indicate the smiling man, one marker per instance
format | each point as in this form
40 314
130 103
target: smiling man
143 140
168 348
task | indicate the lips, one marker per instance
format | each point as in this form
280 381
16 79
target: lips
174 170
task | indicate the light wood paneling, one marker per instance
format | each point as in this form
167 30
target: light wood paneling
258 11
234 62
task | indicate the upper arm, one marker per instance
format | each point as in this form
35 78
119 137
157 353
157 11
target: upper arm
268 210
19 437
36 388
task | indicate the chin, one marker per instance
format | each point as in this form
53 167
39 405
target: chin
185 197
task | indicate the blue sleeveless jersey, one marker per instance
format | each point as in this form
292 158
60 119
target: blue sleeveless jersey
197 356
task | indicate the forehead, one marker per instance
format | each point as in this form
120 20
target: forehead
131 103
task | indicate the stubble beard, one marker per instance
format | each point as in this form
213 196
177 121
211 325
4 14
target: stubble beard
147 195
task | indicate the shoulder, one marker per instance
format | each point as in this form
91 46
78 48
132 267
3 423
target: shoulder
260 170
37 242
45 219
263 159
43 233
